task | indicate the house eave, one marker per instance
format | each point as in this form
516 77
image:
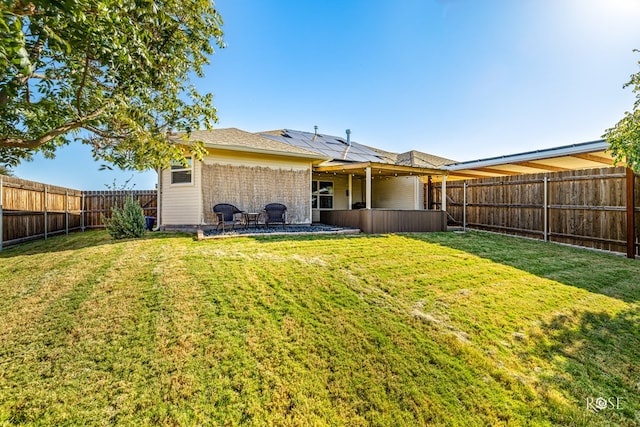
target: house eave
315 158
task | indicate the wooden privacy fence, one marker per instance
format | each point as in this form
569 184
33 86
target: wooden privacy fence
595 208
98 203
32 210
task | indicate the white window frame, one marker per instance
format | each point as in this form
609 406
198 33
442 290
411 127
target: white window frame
179 167
316 183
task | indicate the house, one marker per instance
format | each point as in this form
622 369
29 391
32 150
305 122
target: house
309 172
397 180
240 168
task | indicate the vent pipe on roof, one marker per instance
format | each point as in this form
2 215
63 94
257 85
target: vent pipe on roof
315 133
346 149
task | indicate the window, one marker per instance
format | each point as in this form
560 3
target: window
181 174
322 195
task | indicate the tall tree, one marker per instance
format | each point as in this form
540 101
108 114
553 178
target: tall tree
624 137
113 74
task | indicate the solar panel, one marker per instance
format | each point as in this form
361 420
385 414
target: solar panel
331 146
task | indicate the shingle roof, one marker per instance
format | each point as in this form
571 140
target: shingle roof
388 156
236 139
335 147
306 144
418 158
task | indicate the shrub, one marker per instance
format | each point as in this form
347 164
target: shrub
126 222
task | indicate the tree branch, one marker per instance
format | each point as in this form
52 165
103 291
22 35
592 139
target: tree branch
12 142
82 83
104 134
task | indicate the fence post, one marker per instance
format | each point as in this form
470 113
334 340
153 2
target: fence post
1 232
464 206
82 213
45 212
545 208
66 212
443 196
631 222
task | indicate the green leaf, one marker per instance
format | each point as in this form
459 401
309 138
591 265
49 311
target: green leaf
21 60
121 71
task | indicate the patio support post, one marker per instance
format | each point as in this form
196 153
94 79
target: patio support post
444 193
464 206
368 173
545 208
350 190
631 222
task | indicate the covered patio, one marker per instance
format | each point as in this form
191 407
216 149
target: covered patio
399 183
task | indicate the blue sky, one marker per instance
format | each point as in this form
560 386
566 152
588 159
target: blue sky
462 79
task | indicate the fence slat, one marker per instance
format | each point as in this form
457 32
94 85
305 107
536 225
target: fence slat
31 210
589 207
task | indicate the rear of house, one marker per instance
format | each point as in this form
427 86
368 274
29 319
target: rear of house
308 172
242 169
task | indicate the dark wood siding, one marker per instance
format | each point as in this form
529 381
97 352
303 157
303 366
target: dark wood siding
375 221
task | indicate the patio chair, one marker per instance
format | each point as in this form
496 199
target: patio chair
227 215
275 213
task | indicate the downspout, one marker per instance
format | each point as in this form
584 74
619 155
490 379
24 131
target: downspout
159 199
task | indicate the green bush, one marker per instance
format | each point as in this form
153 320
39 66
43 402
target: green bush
126 222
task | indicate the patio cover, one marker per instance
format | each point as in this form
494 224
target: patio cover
587 155
379 169
372 169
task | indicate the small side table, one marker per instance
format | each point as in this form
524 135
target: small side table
251 218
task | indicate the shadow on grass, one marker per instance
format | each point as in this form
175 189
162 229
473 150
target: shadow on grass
599 365
598 272
312 237
594 354
76 240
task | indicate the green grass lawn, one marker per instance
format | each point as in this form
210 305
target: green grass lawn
425 329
